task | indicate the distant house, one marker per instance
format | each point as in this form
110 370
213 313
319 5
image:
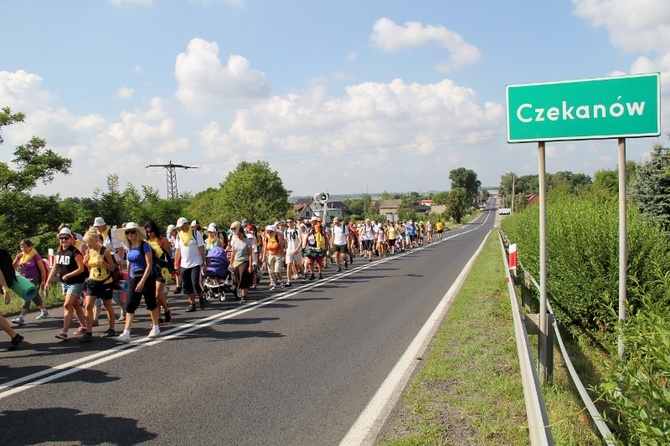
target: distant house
307 208
532 199
420 209
427 202
389 209
438 209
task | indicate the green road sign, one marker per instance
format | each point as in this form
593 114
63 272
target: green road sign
611 107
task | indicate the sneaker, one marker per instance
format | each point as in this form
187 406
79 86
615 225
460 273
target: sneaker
80 331
273 286
95 322
203 303
161 322
177 290
123 338
122 317
311 277
288 283
190 309
168 317
282 284
62 335
19 320
304 279
16 340
320 276
339 269
43 315
109 333
155 332
346 265
86 337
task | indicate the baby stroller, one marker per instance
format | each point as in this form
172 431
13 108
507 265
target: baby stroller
218 279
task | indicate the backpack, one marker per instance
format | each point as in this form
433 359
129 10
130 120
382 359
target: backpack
161 260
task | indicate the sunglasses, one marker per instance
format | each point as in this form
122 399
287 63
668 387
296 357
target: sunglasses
63 238
148 230
132 231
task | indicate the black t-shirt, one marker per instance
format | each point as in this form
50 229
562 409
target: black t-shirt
67 263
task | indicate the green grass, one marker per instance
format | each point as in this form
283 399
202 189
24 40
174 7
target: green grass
53 298
468 390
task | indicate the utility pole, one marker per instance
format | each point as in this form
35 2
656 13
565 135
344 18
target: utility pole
171 176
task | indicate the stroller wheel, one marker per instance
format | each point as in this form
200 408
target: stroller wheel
222 296
208 295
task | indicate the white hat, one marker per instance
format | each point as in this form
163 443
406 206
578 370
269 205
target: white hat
211 227
194 222
99 221
250 235
170 228
121 232
313 218
65 231
270 228
181 222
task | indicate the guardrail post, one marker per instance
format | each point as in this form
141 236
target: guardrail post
550 347
526 294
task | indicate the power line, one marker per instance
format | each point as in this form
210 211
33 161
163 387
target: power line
171 175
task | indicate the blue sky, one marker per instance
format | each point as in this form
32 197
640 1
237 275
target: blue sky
338 96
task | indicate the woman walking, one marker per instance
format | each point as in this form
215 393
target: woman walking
100 264
142 279
70 266
31 266
241 258
163 249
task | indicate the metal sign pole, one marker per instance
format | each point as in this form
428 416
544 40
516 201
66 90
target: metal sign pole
623 260
542 338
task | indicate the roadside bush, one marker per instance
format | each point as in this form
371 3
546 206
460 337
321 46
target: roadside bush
583 259
643 401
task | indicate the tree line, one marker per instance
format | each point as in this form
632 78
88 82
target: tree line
253 191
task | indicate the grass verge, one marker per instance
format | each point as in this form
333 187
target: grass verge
468 389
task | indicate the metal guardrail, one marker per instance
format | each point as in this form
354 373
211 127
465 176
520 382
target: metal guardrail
538 420
586 398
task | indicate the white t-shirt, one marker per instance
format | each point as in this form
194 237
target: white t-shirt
292 237
112 243
190 254
340 234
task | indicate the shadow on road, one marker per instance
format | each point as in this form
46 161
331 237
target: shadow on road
68 426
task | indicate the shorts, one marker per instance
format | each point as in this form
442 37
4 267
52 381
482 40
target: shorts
439 231
313 260
294 258
73 289
340 248
100 289
367 245
274 263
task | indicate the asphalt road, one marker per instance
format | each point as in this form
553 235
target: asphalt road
292 367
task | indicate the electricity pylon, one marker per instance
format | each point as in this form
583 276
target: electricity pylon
171 176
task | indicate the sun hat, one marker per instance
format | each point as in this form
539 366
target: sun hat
99 221
170 228
245 222
270 228
250 235
235 225
65 231
211 227
181 222
194 223
336 220
313 218
121 232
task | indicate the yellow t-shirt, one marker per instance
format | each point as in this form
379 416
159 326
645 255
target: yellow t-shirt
439 226
96 269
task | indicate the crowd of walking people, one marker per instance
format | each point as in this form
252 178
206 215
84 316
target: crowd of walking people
110 267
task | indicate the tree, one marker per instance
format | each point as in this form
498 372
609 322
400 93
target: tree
440 198
22 215
458 203
466 179
251 191
651 188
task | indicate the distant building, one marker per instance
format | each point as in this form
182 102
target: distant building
389 209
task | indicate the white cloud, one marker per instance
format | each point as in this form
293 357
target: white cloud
641 25
125 93
205 83
391 37
131 2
